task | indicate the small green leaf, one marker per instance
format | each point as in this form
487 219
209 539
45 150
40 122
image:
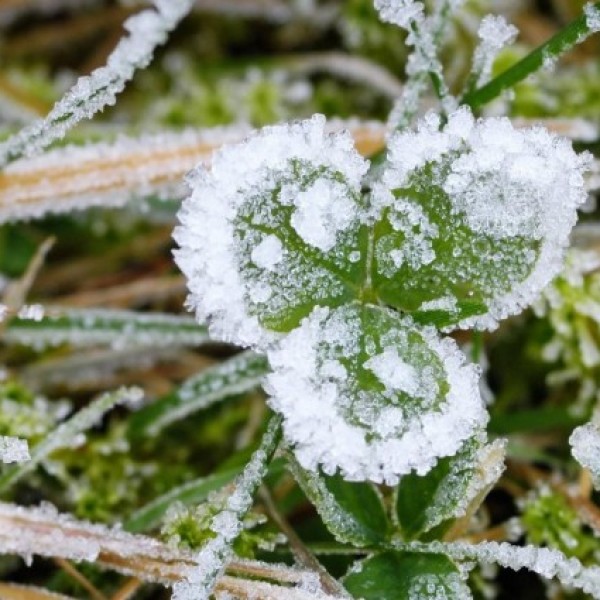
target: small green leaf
277 226
352 511
429 503
447 272
472 219
406 575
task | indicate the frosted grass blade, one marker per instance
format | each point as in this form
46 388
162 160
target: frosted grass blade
240 374
116 328
66 432
147 30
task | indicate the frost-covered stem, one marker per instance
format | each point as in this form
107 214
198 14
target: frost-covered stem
578 31
426 37
90 94
228 524
543 561
67 432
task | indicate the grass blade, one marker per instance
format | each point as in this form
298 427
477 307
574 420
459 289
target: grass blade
242 373
566 39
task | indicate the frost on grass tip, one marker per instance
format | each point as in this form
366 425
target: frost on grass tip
268 232
475 218
364 391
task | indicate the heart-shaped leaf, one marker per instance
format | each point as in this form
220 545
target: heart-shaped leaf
366 392
473 219
273 229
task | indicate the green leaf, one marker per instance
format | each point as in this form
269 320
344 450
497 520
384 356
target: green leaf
352 511
366 393
149 516
429 503
473 219
448 272
242 373
406 575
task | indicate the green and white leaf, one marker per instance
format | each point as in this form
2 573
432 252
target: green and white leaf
407 576
352 511
101 327
367 393
428 504
274 228
474 218
242 373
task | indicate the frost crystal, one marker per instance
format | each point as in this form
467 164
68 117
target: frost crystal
498 203
256 220
400 12
585 443
494 33
13 450
367 393
592 14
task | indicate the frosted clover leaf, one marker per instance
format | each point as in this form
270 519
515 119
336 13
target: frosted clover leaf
365 391
342 281
476 217
267 232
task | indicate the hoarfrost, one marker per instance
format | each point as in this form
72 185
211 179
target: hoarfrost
70 431
13 450
228 524
592 14
92 93
116 328
34 312
400 12
253 221
268 253
546 562
585 444
410 403
393 372
494 34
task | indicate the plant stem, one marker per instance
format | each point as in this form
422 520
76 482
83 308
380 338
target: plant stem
575 33
301 553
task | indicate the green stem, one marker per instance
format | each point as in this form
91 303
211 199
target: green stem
575 33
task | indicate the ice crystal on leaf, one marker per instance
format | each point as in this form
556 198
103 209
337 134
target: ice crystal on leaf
340 278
